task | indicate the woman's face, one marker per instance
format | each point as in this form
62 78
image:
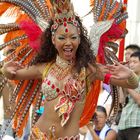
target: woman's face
100 120
66 43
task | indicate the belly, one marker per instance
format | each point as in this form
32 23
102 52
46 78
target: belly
50 118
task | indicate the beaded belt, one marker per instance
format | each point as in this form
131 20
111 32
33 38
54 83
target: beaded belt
37 134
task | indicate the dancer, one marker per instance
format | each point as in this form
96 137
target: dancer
66 68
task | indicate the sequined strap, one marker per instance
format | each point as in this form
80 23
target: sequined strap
46 69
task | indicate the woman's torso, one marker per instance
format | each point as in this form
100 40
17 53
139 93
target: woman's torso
55 80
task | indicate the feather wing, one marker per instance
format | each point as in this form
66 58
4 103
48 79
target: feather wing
109 27
23 36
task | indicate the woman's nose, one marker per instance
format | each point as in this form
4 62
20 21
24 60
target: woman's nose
68 41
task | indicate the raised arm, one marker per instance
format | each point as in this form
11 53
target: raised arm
123 76
120 75
14 71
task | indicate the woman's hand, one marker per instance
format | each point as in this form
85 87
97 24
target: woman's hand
119 71
10 68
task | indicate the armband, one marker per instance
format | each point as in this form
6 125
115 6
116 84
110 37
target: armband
107 78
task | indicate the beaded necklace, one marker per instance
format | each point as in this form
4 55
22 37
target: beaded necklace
61 68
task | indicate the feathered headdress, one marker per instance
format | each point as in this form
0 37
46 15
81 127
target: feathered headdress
62 12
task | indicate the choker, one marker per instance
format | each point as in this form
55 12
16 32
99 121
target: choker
61 68
63 63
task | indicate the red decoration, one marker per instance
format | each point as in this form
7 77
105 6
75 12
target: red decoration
107 78
66 30
33 32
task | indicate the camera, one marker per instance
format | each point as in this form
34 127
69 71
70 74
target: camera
94 117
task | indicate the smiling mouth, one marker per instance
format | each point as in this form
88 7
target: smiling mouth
69 50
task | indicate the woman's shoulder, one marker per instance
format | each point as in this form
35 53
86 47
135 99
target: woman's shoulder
42 66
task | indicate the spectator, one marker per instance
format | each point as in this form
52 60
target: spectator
129 125
98 128
129 50
123 95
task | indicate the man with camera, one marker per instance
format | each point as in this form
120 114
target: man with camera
98 129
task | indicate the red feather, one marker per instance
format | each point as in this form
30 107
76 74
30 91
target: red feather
33 31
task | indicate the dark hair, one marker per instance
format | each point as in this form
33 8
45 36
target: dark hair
101 109
84 53
136 54
133 47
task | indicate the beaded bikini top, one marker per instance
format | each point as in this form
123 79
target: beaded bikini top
59 81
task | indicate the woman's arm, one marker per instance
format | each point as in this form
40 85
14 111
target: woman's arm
14 71
120 75
123 76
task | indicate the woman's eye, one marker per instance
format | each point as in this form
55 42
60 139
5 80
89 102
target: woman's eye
61 38
74 37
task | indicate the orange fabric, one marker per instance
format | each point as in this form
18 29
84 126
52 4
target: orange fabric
48 3
19 96
24 123
12 35
111 13
102 13
3 7
90 104
23 17
91 3
122 25
18 33
22 106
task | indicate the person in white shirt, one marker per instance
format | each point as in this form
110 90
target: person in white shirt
98 128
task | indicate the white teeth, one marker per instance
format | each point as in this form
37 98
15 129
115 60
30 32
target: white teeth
68 49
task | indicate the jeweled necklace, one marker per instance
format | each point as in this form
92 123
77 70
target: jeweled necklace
61 68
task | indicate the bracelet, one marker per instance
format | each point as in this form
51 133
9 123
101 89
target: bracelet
107 78
133 79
